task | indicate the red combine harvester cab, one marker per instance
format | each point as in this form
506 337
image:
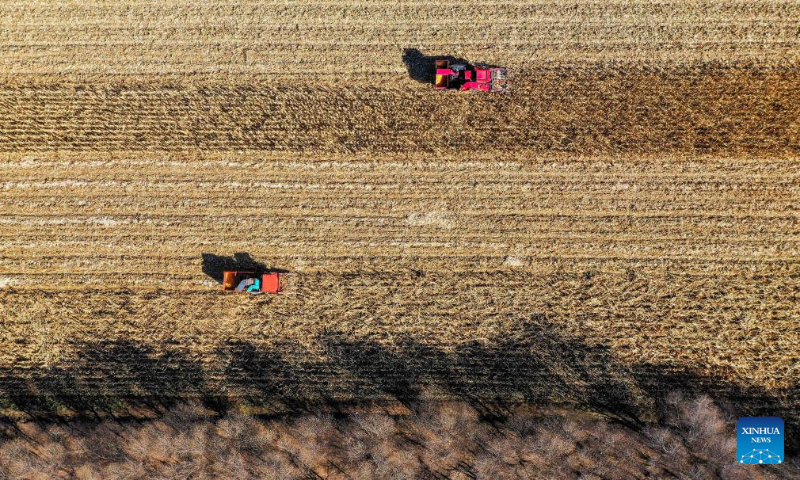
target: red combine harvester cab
463 78
243 281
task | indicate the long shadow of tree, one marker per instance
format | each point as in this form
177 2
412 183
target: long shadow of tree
536 363
109 378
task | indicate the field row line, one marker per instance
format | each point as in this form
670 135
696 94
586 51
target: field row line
424 214
114 285
779 58
16 52
708 36
351 214
244 29
532 167
437 220
392 263
171 5
449 265
54 59
520 162
289 163
500 257
59 71
194 259
708 9
411 242
480 163
56 55
451 199
564 250
509 231
404 186
374 176
520 242
778 273
308 237
597 199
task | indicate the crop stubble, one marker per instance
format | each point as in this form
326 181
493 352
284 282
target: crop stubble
624 223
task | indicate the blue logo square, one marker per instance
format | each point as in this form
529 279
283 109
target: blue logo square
759 440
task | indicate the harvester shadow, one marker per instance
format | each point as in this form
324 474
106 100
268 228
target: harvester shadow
214 265
421 67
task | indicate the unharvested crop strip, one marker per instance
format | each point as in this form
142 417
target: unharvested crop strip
731 112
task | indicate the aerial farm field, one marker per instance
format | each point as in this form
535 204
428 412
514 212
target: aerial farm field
623 223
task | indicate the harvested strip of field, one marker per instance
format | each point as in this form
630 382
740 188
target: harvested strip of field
365 40
67 212
597 280
575 333
623 223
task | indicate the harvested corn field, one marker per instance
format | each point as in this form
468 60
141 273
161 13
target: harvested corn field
284 39
623 223
537 278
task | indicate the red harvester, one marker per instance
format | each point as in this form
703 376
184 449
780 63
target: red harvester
463 78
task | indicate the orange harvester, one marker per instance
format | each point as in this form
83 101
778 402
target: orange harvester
270 282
